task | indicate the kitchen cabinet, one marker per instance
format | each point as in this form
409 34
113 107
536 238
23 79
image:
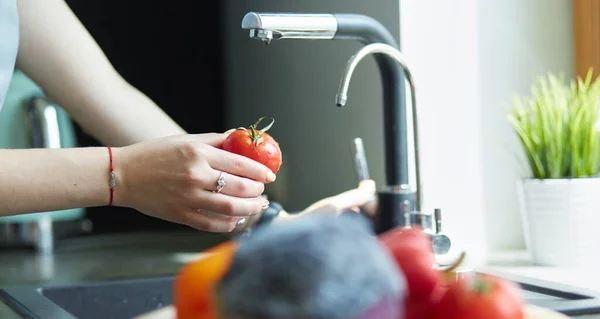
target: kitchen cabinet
586 35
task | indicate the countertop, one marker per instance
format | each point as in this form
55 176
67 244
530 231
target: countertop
520 262
102 257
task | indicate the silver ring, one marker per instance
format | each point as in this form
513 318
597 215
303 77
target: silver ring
220 182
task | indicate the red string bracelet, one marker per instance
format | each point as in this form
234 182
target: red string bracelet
113 180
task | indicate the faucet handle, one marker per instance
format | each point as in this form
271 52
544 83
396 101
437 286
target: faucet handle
421 219
437 215
440 242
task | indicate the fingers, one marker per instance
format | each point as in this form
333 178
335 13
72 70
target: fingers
355 197
230 162
348 200
239 165
213 223
370 208
222 204
367 186
229 131
234 185
212 139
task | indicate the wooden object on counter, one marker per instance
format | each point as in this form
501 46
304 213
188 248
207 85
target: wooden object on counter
167 312
586 36
531 312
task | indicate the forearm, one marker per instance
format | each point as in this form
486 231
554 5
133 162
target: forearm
120 117
58 53
39 180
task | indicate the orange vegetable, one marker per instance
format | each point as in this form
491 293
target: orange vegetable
193 295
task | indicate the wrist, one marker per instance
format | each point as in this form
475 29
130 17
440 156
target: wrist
121 177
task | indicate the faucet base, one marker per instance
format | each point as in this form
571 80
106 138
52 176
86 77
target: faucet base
392 206
396 209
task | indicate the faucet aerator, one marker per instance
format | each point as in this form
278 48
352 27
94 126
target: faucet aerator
340 100
264 35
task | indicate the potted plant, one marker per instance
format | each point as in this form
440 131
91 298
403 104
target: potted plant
559 132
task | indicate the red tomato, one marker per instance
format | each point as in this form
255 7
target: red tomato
255 144
417 267
401 235
411 249
193 289
423 308
481 296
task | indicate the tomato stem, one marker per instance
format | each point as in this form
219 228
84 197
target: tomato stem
266 127
480 286
257 135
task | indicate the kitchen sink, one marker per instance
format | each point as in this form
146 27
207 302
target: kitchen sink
96 300
125 299
569 300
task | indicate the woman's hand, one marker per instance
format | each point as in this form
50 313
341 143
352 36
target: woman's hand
352 200
175 178
349 201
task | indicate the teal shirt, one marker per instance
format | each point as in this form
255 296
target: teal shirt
9 44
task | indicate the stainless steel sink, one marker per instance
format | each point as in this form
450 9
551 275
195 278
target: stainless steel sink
124 299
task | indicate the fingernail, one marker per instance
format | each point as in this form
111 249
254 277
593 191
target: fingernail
265 205
271 177
239 223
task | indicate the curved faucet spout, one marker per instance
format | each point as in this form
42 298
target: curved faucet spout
342 97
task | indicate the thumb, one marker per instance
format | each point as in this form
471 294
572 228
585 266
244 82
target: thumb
229 131
368 187
355 197
213 139
346 200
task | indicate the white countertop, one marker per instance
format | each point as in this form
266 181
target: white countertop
519 262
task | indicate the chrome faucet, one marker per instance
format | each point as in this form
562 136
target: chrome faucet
324 26
276 26
398 202
342 97
431 223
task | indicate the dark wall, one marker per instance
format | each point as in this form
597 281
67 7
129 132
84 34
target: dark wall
170 50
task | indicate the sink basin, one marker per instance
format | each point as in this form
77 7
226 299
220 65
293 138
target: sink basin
569 300
125 299
98 300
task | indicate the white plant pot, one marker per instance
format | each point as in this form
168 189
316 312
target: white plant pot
561 221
